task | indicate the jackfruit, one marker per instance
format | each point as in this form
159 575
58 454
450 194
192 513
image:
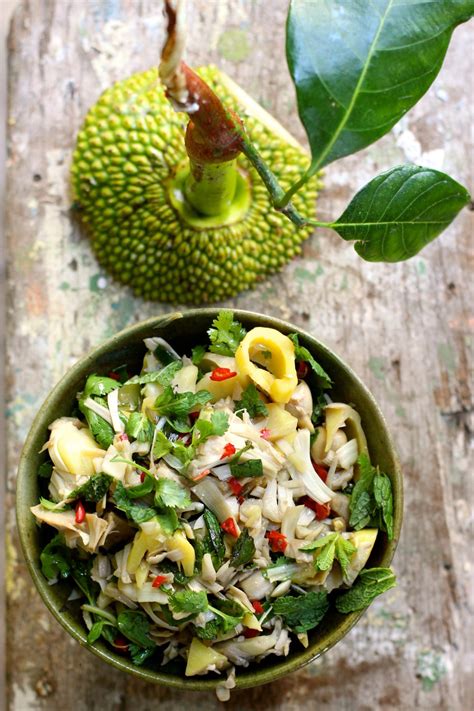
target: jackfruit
129 153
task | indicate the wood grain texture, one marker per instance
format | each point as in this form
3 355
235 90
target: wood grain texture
404 328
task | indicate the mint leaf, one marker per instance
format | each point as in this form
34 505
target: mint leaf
135 512
99 385
250 468
55 559
171 494
302 613
302 353
371 500
225 334
251 402
188 601
213 542
244 550
135 626
180 405
102 432
344 552
370 583
197 354
139 427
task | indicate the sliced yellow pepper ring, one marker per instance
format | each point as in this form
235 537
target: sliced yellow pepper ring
280 380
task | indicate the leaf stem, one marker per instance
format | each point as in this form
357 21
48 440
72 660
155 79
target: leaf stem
271 183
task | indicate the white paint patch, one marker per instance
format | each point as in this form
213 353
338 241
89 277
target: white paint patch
112 50
24 699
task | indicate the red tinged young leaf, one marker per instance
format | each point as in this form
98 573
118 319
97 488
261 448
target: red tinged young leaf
80 512
278 542
229 526
159 580
220 374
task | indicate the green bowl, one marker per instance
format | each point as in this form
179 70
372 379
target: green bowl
184 330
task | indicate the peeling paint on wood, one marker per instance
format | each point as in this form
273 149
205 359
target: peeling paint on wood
404 328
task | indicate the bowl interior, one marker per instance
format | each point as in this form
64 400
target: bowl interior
184 331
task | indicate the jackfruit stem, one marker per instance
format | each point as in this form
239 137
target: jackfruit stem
210 187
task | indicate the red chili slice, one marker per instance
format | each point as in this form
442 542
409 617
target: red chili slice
219 374
230 527
193 416
142 477
320 471
322 511
257 606
248 633
265 433
228 451
80 512
235 486
278 542
301 369
159 580
114 376
121 644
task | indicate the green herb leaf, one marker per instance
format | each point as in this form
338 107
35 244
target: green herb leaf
139 427
135 512
180 404
344 552
236 457
135 626
99 385
400 211
163 376
319 403
250 468
168 520
143 489
197 354
95 631
45 470
370 583
102 432
139 655
203 429
304 612
81 574
162 446
188 601
93 490
56 559
371 499
244 550
170 494
52 505
358 71
225 334
302 353
251 402
213 542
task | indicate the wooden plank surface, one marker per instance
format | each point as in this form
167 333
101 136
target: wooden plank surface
404 328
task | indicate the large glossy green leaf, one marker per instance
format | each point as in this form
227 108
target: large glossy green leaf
360 65
400 211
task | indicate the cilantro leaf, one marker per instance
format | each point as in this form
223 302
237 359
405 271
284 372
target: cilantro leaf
99 385
94 489
162 446
45 470
168 520
135 626
251 402
302 353
56 559
203 429
135 512
197 354
163 376
250 468
372 499
180 404
244 550
139 427
225 334
101 430
222 623
171 494
304 612
188 601
370 583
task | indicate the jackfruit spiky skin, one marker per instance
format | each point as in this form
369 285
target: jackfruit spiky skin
128 150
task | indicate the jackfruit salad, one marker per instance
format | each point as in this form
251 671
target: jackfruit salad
212 508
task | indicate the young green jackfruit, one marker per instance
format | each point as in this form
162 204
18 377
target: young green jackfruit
128 152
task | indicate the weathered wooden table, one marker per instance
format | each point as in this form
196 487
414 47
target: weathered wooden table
404 328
